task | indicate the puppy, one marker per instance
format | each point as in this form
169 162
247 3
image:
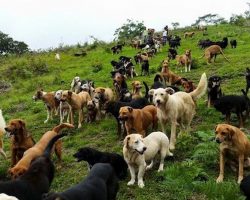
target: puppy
236 104
77 103
138 119
92 111
189 34
21 140
213 90
212 52
37 179
137 151
64 107
232 142
178 108
50 102
145 68
37 150
2 132
136 90
185 60
93 156
101 183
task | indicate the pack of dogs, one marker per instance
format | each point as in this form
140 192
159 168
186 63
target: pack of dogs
137 116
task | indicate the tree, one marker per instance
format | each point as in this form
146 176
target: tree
175 25
210 19
129 30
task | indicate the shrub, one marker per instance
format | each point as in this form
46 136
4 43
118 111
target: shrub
96 67
38 66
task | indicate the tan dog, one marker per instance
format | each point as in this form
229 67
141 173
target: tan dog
77 103
189 34
169 76
185 60
136 90
37 150
138 119
235 143
2 131
21 140
212 52
104 94
50 102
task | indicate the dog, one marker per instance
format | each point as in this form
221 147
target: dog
189 34
136 90
212 52
37 150
50 102
76 84
37 179
2 132
88 86
101 183
185 60
169 76
21 140
233 43
119 82
137 151
104 94
145 68
236 104
57 56
138 119
172 53
244 186
77 102
92 111
7 197
116 49
93 156
213 90
113 107
178 108
125 95
247 75
64 107
233 143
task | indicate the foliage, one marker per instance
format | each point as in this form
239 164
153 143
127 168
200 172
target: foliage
209 19
175 25
238 20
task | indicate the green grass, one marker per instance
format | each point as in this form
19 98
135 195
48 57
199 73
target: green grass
191 174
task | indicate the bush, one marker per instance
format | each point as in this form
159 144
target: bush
96 67
4 86
38 66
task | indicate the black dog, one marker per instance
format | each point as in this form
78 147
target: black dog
100 184
125 95
36 181
233 103
172 53
174 41
233 43
93 156
213 90
117 49
145 67
247 75
244 186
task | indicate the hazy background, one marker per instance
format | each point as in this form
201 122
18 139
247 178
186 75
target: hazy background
46 23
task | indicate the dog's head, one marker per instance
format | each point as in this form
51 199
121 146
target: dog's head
91 105
187 85
84 154
66 95
125 113
118 79
16 172
134 142
15 126
188 52
160 95
38 95
224 133
76 81
214 81
136 85
165 63
99 92
58 94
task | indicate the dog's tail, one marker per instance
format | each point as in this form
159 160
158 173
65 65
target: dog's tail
202 56
51 143
147 89
224 55
201 88
58 128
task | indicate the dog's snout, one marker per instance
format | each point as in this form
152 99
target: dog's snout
217 140
6 129
144 148
158 101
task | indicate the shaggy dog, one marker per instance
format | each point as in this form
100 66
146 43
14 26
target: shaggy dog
21 140
7 197
185 60
100 184
36 180
137 151
37 150
93 156
233 103
178 108
233 143
2 131
212 52
213 90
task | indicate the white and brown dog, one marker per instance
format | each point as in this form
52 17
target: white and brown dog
185 60
64 107
2 131
137 151
76 84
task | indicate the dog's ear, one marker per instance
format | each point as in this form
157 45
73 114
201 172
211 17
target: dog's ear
102 90
22 123
130 109
215 127
169 90
231 133
133 83
151 92
126 141
70 93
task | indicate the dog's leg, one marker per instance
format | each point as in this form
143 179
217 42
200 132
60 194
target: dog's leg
61 113
173 136
13 158
132 173
48 115
3 153
189 67
222 165
186 68
80 118
241 168
150 165
141 174
209 101
228 118
240 119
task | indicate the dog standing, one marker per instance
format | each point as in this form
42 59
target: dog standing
137 151
92 111
185 60
212 52
145 68
233 142
64 107
213 90
189 34
2 132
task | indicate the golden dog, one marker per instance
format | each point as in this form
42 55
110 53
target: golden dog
104 94
189 34
22 166
185 60
138 119
212 52
169 76
136 90
233 142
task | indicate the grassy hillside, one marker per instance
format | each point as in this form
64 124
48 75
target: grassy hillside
191 174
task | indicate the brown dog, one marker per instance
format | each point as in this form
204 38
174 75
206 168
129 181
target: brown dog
50 102
92 111
138 119
233 143
185 60
104 94
37 150
77 103
136 90
169 76
212 52
189 34
21 140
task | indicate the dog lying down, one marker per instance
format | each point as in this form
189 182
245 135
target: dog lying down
93 156
36 180
137 151
100 184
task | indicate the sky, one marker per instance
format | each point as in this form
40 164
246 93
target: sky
46 23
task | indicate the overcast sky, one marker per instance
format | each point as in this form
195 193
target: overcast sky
46 23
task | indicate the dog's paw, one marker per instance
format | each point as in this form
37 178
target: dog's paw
79 126
131 182
46 121
141 184
172 146
239 179
219 179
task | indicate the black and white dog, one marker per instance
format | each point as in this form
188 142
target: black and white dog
213 90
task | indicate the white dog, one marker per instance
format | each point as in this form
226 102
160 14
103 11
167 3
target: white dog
178 108
57 56
7 197
76 84
137 151
2 131
64 107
